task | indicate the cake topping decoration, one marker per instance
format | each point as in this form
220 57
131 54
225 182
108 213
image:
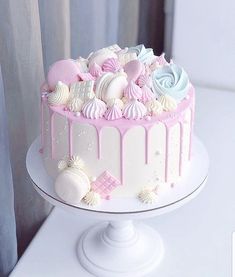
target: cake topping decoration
111 65
147 94
75 104
168 103
144 80
133 70
65 71
116 101
154 107
147 196
144 55
82 90
125 57
134 110
170 80
114 112
100 56
92 198
95 70
132 91
94 108
60 96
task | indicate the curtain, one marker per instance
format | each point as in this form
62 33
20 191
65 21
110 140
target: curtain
33 35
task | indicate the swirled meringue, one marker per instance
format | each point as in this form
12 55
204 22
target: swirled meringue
168 103
132 91
75 104
76 162
111 65
95 70
115 101
147 94
171 80
92 198
147 196
144 80
114 112
94 108
60 96
144 55
134 110
154 107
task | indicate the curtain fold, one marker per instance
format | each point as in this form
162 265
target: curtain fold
33 35
8 251
22 70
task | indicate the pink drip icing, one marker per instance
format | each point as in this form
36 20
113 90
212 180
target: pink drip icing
123 125
70 125
181 147
166 152
52 132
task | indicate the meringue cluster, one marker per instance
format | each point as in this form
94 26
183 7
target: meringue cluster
113 83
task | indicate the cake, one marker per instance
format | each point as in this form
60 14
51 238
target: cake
116 124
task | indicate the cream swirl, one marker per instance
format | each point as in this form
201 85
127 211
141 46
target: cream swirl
168 103
95 70
113 113
92 198
170 80
60 96
94 108
144 55
111 65
115 101
132 91
154 107
134 110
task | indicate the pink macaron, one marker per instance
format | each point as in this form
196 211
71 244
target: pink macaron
133 70
65 71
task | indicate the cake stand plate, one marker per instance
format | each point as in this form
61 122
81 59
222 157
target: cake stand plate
120 247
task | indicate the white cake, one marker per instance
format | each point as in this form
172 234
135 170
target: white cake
122 117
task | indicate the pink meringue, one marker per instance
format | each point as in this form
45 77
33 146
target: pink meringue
94 108
111 65
114 112
95 70
132 91
144 80
147 94
134 110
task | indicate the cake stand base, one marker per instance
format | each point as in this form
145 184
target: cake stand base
120 248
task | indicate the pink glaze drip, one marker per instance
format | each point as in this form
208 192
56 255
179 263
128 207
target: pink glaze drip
123 125
52 114
181 146
70 132
166 152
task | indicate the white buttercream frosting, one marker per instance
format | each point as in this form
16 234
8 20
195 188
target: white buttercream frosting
94 108
60 96
154 107
75 104
168 103
92 198
147 196
134 110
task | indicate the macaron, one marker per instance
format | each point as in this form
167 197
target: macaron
65 71
100 56
133 70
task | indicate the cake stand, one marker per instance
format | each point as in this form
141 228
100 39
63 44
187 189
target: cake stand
117 246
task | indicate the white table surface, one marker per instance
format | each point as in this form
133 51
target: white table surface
197 237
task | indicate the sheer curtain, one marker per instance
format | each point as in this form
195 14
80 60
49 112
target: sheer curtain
33 35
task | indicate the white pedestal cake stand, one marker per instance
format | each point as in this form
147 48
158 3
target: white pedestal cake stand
119 247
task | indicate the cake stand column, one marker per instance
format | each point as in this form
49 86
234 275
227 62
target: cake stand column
120 248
